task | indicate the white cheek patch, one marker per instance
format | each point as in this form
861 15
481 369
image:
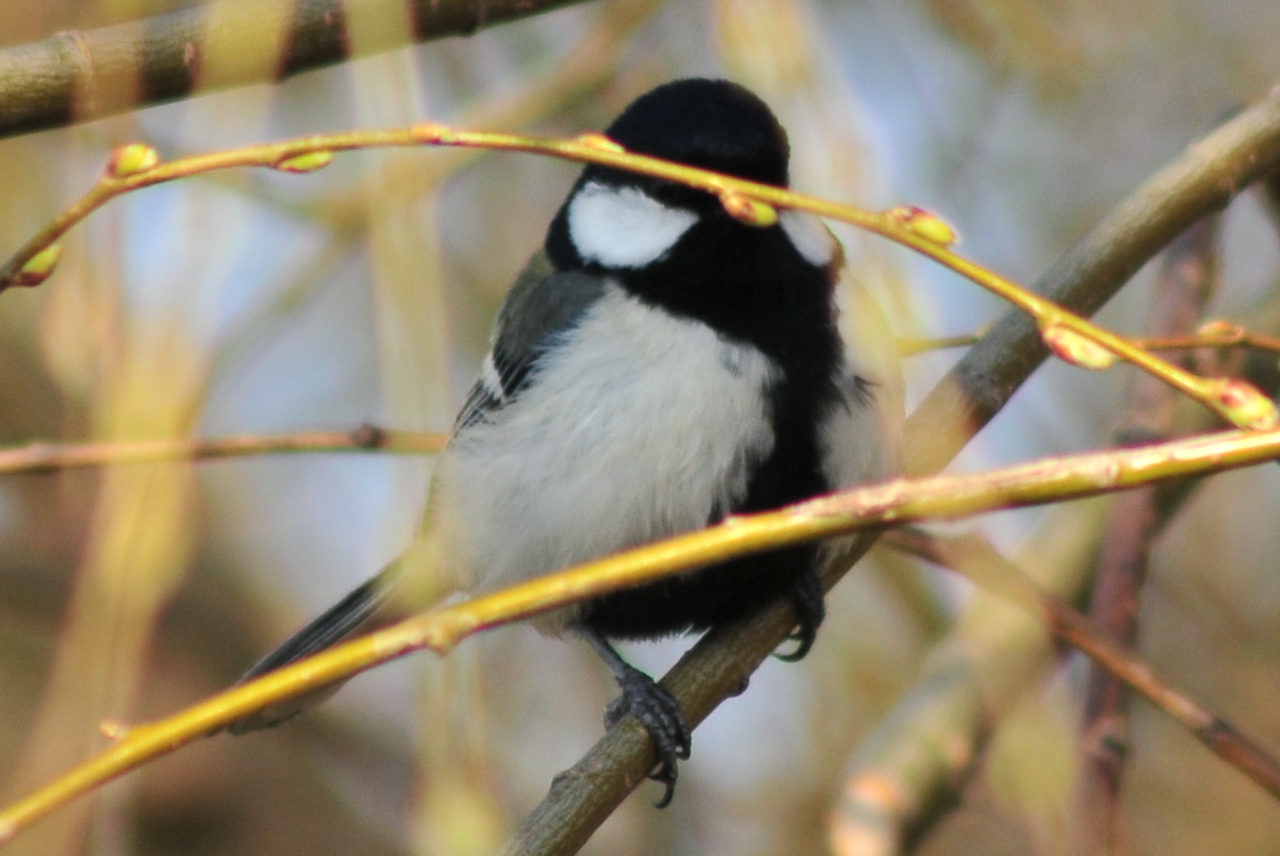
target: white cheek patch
809 236
623 227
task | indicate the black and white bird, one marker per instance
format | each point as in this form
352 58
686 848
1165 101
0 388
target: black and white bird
657 366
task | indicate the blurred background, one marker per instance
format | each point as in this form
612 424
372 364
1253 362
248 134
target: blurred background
255 302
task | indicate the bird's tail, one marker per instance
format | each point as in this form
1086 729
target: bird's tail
409 584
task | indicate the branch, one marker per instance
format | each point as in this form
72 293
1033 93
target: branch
1071 337
44 457
975 558
1186 282
1201 180
910 770
855 511
1212 334
912 766
82 75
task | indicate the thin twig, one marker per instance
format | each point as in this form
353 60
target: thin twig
1184 286
910 347
44 457
1214 334
1203 179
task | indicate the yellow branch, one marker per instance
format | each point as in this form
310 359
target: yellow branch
950 496
1070 336
38 457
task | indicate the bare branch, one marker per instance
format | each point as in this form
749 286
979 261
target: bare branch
1187 280
720 664
82 75
1203 179
974 557
45 457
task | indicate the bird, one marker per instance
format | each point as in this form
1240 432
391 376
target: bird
658 365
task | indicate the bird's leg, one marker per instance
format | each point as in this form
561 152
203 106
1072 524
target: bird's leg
811 607
655 708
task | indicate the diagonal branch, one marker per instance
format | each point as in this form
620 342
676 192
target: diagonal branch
974 557
1203 179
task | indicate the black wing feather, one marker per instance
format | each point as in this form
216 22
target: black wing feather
542 305
326 630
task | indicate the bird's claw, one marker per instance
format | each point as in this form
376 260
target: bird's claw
659 712
811 608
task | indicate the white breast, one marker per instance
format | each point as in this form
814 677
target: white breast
635 428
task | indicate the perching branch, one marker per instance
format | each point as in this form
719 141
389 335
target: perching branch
82 75
1201 180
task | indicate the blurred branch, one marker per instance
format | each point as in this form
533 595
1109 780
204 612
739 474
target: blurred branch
1214 334
81 75
868 508
44 457
1203 179
911 768
975 558
910 347
1186 282
588 64
909 772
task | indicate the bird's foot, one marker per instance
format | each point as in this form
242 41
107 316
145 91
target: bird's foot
810 605
660 714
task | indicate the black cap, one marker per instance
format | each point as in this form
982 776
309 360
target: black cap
713 124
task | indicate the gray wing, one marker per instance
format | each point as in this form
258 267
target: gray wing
543 304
